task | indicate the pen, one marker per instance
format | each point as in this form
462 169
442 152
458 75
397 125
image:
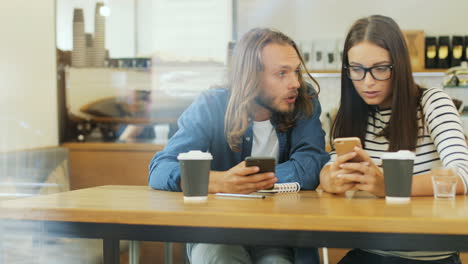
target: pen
241 195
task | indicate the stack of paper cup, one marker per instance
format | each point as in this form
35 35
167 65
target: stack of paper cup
79 39
99 37
89 49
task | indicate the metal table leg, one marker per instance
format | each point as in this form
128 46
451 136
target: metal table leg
167 253
111 248
134 252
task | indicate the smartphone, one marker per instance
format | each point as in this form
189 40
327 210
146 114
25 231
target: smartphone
346 145
266 164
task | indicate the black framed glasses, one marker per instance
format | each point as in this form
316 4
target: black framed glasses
378 72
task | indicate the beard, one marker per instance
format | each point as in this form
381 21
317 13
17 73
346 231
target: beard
267 102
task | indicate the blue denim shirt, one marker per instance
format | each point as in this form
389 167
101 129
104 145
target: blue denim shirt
201 127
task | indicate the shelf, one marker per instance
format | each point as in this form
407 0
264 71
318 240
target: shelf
423 71
336 73
113 146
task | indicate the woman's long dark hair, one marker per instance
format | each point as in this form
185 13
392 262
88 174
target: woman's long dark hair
352 116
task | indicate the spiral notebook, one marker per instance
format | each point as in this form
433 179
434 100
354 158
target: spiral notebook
283 188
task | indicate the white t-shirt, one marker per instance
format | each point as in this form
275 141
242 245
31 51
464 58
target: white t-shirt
265 140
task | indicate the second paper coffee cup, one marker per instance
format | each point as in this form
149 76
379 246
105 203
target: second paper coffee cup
194 171
398 175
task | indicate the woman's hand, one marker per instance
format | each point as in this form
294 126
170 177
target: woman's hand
365 175
331 179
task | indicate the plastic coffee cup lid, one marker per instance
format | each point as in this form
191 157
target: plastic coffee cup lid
401 155
195 155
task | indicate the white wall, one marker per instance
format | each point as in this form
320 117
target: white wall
28 86
144 13
185 27
120 29
188 28
325 19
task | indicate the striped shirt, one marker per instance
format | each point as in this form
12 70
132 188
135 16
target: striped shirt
441 142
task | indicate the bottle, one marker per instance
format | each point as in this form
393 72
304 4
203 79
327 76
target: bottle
431 53
457 50
444 52
465 49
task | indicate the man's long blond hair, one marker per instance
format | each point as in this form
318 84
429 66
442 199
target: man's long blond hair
244 77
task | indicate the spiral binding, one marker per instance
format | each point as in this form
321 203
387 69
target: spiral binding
287 187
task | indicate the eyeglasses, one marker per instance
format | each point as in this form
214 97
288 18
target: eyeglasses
379 72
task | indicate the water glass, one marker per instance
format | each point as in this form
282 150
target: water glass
444 183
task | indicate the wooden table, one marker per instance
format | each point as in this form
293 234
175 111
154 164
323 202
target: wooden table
305 219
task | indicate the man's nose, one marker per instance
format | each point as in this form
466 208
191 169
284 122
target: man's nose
294 82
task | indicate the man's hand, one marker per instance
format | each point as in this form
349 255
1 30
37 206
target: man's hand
240 179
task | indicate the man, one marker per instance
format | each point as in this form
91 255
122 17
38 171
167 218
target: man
265 110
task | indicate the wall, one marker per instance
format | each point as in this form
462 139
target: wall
28 89
202 28
189 28
311 19
168 26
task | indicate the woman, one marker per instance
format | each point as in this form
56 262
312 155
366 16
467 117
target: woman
382 105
